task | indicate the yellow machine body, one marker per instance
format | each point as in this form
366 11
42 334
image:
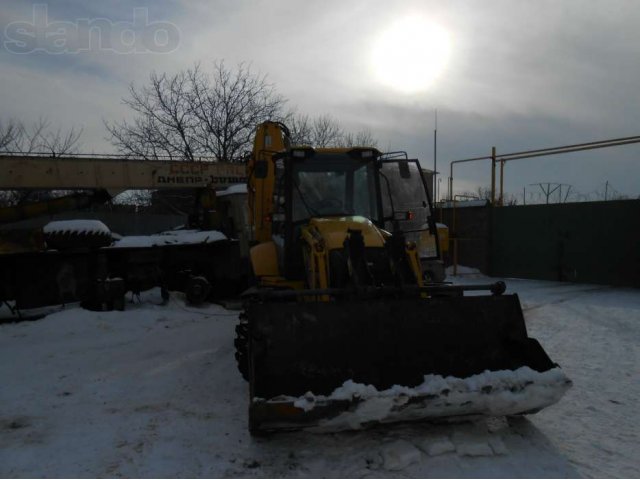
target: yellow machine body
342 312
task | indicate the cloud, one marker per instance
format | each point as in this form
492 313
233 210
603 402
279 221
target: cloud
521 74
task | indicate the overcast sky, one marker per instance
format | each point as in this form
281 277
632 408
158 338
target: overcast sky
514 74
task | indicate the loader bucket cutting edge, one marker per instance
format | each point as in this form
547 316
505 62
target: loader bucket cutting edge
488 394
307 350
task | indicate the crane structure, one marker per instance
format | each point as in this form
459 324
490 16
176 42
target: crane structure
80 264
113 174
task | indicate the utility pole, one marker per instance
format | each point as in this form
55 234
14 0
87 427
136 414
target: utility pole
606 190
493 176
501 201
435 156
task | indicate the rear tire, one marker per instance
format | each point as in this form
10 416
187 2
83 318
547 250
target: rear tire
197 290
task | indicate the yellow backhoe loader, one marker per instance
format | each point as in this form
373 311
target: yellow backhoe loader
340 329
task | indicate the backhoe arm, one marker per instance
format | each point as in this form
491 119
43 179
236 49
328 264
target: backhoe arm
271 138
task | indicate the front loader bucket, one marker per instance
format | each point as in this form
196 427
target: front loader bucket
346 364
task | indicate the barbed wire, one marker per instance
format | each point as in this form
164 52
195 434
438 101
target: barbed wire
121 156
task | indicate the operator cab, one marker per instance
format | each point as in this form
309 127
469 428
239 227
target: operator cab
389 190
322 183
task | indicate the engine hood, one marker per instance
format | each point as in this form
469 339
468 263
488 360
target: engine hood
334 230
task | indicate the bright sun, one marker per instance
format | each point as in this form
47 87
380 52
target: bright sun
411 54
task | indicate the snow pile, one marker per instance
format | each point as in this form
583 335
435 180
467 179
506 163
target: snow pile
462 270
84 227
174 237
233 189
399 455
497 445
472 447
504 392
438 446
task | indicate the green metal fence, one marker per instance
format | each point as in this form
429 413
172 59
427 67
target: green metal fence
594 242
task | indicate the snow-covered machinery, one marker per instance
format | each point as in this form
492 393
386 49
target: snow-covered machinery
78 260
341 329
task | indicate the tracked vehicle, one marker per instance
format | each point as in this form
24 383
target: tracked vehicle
341 330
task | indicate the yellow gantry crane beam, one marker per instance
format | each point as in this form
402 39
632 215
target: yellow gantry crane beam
113 174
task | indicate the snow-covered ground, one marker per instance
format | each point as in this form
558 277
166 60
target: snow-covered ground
154 392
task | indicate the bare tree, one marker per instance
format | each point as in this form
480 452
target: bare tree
191 114
363 138
30 138
299 128
230 106
322 131
325 131
59 143
164 122
9 132
16 137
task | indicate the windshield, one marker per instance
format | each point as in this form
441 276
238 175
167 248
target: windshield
333 185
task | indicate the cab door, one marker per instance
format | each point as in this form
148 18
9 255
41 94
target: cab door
407 206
